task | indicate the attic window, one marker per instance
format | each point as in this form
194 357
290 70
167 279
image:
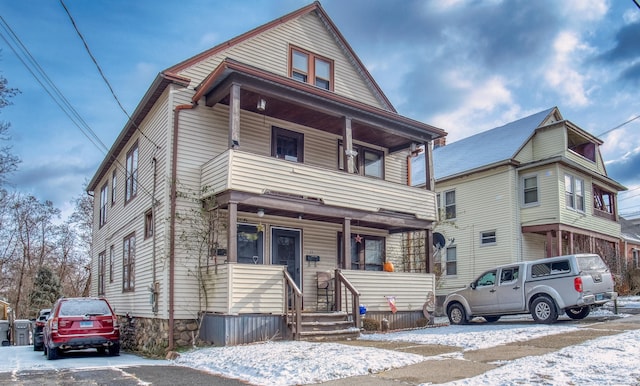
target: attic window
581 146
307 67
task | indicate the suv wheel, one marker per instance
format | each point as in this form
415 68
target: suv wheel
456 314
491 319
52 353
578 313
114 350
543 310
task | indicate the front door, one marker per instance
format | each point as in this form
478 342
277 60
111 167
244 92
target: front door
285 250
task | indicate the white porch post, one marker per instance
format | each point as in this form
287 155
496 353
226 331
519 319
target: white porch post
347 144
234 116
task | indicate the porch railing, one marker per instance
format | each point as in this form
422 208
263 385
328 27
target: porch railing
294 314
340 282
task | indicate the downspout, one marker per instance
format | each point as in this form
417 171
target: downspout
172 220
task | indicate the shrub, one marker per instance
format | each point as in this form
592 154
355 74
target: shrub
370 324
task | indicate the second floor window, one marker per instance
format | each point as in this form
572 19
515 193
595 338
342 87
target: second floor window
103 204
530 190
112 253
310 68
574 192
450 204
148 223
287 144
114 184
128 263
603 201
131 184
367 162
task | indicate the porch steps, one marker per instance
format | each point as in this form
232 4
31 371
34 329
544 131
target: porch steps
327 326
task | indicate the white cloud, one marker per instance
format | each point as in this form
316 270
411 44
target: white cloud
481 100
585 10
562 74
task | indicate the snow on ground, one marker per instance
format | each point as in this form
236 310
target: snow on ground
607 360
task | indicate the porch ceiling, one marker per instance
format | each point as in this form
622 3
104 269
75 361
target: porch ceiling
293 101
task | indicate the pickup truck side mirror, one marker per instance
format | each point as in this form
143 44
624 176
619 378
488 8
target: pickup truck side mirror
473 285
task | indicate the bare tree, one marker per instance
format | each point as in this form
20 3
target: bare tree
8 161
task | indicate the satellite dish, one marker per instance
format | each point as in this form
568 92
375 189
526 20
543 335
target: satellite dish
438 240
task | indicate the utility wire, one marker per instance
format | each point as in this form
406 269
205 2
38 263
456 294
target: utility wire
113 93
34 68
619 126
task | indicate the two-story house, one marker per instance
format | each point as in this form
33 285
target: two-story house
249 172
534 188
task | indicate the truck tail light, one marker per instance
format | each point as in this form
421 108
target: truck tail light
577 284
54 324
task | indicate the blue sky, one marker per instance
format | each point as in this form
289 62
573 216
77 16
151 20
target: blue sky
462 65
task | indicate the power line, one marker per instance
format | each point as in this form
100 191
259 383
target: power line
34 68
619 126
95 61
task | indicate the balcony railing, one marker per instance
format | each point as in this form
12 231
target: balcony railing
253 173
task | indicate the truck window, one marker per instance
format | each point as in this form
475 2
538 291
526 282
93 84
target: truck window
488 278
554 268
509 275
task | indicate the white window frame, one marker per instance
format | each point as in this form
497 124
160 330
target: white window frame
487 236
574 189
451 259
523 190
442 204
103 204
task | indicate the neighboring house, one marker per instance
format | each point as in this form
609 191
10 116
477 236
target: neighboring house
240 175
630 247
534 188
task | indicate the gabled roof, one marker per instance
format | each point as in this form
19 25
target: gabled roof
490 147
313 7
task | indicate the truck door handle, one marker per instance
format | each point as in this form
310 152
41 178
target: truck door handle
516 287
492 291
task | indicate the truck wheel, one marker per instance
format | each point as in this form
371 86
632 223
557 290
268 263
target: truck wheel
578 313
456 314
491 319
543 310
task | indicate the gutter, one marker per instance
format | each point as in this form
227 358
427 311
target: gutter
172 220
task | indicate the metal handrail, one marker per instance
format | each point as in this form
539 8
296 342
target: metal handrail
340 280
295 313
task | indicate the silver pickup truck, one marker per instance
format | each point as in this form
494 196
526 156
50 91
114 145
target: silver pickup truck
571 284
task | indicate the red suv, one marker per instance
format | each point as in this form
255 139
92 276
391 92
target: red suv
81 323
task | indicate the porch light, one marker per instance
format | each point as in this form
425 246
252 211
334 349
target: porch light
260 212
262 104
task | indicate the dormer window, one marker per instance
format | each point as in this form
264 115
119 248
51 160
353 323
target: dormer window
307 67
581 146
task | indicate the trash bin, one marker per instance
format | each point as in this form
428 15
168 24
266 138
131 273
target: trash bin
22 330
4 332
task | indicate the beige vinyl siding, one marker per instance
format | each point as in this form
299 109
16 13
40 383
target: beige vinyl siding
533 246
582 161
396 167
526 153
409 289
585 220
270 51
123 219
484 202
549 142
546 211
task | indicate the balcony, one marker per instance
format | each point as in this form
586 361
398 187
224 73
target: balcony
260 175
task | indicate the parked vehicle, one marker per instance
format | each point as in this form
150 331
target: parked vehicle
572 284
38 329
81 323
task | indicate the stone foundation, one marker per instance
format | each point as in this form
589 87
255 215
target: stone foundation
151 336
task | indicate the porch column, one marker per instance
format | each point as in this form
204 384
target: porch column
559 246
232 233
347 144
429 177
430 263
549 244
346 242
234 116
571 251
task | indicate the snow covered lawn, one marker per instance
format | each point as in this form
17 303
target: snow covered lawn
607 360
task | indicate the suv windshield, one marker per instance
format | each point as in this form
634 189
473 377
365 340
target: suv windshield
591 263
84 307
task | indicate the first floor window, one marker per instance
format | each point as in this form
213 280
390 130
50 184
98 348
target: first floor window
452 261
128 263
250 244
574 192
636 263
367 252
101 269
112 253
488 238
148 223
